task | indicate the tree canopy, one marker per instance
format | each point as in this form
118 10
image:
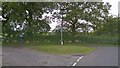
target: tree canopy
93 14
110 27
26 17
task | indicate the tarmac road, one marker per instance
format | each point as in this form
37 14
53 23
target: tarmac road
103 56
20 56
29 57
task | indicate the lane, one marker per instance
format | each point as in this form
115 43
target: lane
103 56
28 57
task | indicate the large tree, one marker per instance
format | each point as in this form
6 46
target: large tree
93 15
24 17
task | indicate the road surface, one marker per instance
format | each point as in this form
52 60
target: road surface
104 56
29 57
20 56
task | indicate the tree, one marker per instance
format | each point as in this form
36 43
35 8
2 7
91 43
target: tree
110 27
93 14
24 17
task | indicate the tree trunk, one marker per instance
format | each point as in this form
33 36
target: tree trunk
73 28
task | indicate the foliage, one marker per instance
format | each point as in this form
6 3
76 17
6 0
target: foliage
94 13
110 27
24 17
68 38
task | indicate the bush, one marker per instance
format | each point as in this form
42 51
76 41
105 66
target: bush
68 38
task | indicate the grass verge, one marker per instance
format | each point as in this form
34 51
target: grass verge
71 49
64 49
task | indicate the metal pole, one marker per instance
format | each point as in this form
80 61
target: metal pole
62 30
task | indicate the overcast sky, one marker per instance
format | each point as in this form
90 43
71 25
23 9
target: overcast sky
114 8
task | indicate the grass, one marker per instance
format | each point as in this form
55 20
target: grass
70 49
64 49
79 44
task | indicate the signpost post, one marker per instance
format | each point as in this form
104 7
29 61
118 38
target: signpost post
61 9
60 16
21 38
62 29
